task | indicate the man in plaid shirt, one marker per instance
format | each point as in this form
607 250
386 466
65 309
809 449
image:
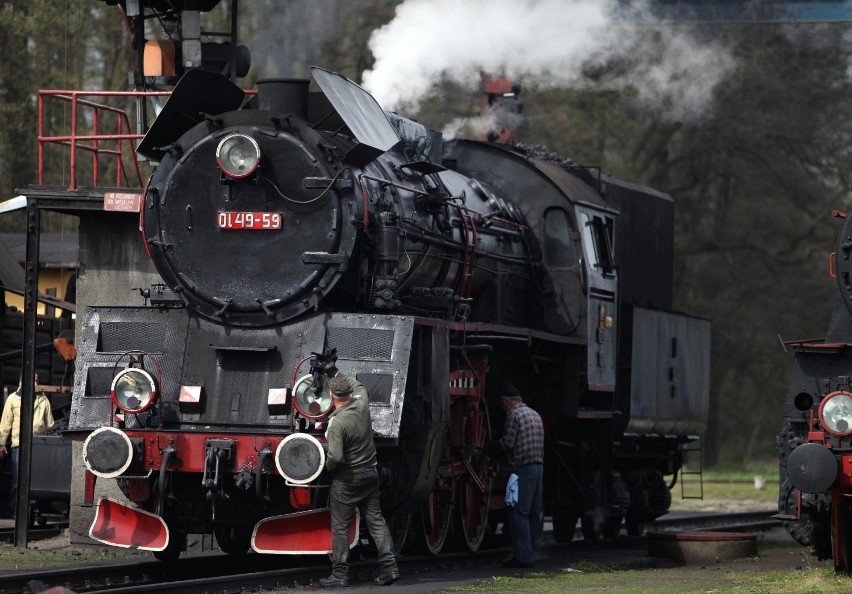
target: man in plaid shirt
523 439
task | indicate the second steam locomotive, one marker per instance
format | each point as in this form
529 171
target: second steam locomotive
815 443
298 227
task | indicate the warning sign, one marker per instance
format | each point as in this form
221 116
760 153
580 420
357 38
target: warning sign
122 201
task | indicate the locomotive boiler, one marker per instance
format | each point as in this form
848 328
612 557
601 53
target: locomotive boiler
815 442
295 229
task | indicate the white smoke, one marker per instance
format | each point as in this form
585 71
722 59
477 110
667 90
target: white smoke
542 43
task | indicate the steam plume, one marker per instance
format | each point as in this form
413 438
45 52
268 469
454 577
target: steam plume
543 43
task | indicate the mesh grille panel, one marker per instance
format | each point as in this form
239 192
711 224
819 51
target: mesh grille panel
98 381
362 343
379 386
120 337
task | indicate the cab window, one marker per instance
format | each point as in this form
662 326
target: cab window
597 235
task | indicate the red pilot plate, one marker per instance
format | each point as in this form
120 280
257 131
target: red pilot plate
123 526
300 533
262 221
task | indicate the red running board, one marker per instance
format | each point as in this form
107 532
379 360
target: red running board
122 526
301 533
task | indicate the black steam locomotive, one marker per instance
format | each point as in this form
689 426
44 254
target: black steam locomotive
815 442
291 226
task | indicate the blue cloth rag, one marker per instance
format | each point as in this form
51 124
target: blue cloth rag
512 490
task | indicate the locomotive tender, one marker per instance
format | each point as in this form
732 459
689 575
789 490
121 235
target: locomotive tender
294 225
815 458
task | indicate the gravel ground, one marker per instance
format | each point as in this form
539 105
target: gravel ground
777 552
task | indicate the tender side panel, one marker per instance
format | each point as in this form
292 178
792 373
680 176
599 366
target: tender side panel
670 373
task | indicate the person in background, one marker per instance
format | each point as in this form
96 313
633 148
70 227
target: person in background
523 440
355 480
10 431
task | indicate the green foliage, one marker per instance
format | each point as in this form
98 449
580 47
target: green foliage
17 110
46 44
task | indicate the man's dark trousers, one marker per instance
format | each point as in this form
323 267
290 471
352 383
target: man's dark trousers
525 514
361 490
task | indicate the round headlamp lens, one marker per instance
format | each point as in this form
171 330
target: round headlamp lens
310 404
238 155
835 413
133 390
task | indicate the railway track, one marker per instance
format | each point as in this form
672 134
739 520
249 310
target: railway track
213 573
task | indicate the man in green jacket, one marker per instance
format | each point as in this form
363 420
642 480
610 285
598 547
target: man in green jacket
353 466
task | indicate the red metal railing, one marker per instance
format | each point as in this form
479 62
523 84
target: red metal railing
118 143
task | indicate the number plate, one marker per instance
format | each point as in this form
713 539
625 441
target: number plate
230 219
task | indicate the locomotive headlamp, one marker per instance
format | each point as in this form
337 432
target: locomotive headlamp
133 390
238 155
310 404
835 413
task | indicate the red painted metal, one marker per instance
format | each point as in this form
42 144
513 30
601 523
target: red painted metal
142 219
846 471
300 498
92 143
475 485
302 533
463 383
231 219
836 528
122 526
89 488
190 449
703 536
140 490
817 436
834 346
798 505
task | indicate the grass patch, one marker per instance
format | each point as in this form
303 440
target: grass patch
15 559
678 580
727 483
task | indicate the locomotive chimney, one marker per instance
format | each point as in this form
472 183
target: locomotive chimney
284 95
501 110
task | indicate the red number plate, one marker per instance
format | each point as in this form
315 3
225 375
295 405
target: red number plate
230 219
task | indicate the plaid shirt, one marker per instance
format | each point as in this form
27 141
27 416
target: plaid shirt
523 436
